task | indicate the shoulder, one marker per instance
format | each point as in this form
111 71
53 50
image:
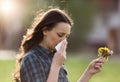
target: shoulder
31 55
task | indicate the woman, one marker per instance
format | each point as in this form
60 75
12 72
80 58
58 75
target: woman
39 61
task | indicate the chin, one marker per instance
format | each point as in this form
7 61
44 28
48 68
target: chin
52 48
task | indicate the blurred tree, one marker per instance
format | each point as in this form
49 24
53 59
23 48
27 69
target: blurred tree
82 11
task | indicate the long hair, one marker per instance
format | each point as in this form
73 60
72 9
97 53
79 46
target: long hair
35 35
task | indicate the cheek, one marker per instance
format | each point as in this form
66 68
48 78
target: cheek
55 39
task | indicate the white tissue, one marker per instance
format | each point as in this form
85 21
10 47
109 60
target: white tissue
59 45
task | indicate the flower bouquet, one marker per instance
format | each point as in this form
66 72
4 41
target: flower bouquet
104 52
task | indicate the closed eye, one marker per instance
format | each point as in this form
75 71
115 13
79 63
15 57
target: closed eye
60 34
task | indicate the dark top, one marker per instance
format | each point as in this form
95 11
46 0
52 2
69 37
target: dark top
35 66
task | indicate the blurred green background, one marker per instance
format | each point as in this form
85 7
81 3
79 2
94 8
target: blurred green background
96 24
75 66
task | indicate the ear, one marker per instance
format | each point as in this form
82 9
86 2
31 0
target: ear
44 32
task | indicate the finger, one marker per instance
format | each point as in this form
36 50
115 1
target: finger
110 53
98 66
100 60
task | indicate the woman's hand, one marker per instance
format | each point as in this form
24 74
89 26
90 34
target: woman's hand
60 56
95 66
58 60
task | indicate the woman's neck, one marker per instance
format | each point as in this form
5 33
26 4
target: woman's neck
45 45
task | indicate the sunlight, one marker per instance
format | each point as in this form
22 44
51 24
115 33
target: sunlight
7 6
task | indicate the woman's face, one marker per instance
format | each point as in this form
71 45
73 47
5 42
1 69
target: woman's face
52 37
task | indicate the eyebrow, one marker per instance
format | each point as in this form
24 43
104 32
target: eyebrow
63 33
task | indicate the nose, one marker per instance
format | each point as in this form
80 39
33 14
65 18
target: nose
63 39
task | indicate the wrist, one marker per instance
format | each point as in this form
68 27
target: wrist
88 73
86 76
55 66
53 74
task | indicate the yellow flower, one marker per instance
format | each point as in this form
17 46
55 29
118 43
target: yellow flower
103 52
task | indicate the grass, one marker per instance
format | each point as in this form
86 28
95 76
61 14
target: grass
6 69
109 73
75 66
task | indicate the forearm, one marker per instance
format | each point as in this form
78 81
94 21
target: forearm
86 76
53 74
57 62
94 67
